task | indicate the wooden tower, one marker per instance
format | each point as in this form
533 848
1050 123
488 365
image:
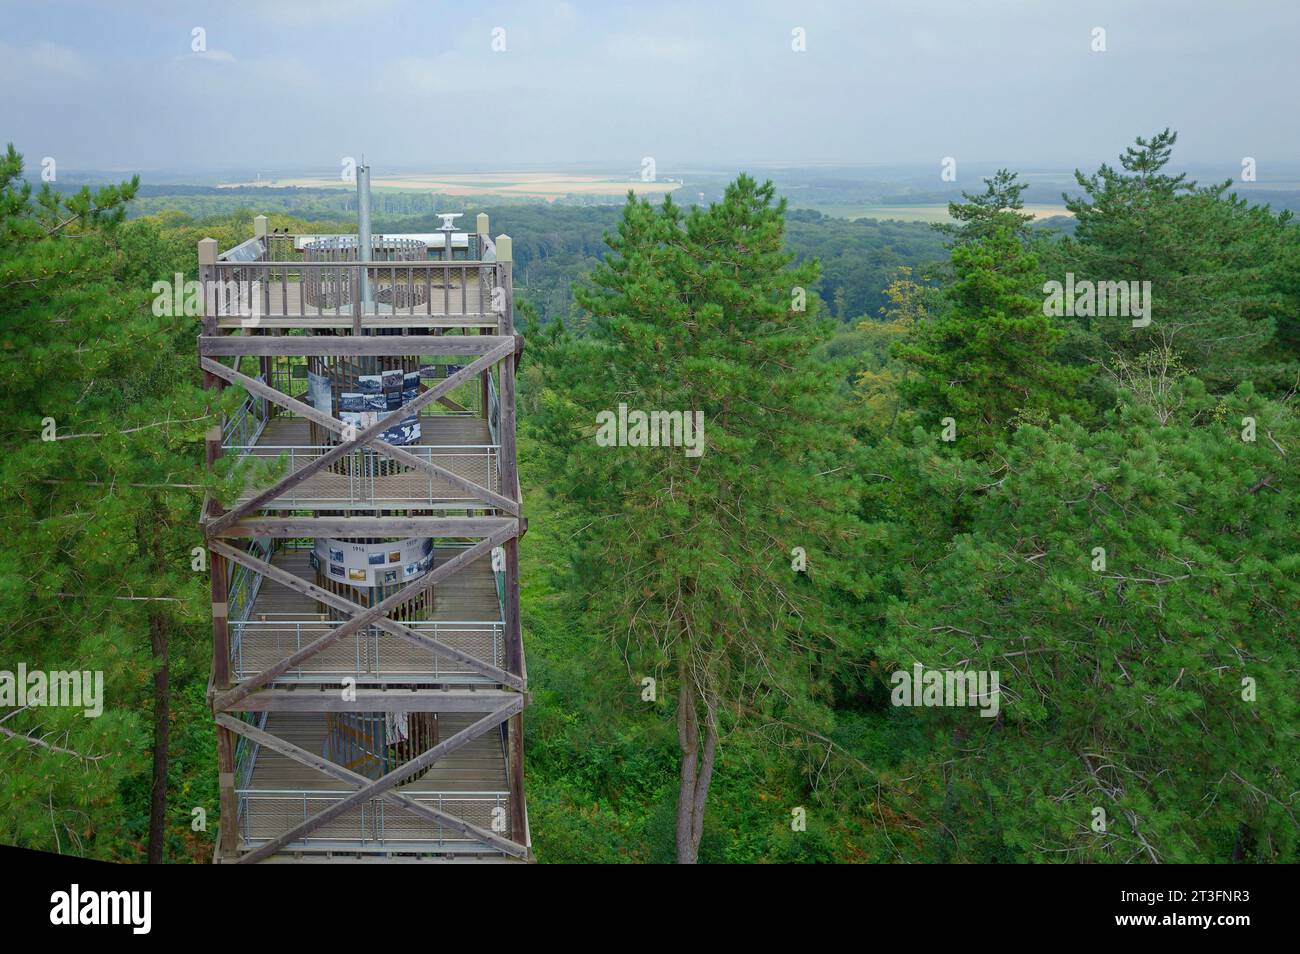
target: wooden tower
368 673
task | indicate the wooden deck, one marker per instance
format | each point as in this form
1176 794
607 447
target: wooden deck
459 443
281 620
280 793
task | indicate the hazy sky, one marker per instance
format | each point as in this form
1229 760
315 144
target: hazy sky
289 85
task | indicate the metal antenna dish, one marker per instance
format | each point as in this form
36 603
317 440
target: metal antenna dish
448 220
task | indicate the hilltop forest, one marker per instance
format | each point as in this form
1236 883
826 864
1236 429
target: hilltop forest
911 458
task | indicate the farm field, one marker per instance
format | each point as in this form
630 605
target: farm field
934 212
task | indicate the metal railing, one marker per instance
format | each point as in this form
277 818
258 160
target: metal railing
370 653
373 825
329 289
494 410
245 426
246 751
292 246
243 584
366 477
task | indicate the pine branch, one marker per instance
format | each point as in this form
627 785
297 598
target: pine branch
100 483
133 430
30 740
136 599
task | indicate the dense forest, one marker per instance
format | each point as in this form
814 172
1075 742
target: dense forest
945 449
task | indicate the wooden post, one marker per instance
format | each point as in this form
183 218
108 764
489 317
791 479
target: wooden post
510 608
260 232
509 449
207 267
506 328
227 801
515 755
510 488
481 230
207 274
217 570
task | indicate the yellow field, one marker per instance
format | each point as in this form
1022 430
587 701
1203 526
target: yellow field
920 213
532 185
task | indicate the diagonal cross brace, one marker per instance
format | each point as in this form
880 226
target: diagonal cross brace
363 437
296 583
334 424
321 764
228 699
387 782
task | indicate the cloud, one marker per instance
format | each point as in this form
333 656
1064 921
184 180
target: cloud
42 59
305 82
215 56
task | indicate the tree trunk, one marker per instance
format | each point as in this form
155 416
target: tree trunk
161 724
688 740
697 767
158 643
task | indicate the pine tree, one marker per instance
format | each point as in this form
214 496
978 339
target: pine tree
1135 589
689 563
102 423
988 359
999 207
1205 252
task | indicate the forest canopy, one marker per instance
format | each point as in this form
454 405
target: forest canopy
910 459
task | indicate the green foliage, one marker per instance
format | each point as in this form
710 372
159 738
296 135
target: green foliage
1206 253
688 567
1121 685
988 360
983 215
98 521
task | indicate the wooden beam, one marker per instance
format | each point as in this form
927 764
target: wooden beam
228 832
270 320
334 424
227 803
515 770
321 699
466 373
346 527
228 699
510 606
387 782
321 595
213 345
438 817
